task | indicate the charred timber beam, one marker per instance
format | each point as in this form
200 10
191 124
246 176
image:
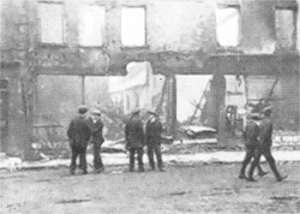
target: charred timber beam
170 63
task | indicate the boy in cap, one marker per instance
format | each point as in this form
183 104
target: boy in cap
96 126
251 145
134 136
79 135
153 140
265 138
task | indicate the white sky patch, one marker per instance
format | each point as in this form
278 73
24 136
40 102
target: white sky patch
137 76
133 26
91 25
190 88
52 23
228 26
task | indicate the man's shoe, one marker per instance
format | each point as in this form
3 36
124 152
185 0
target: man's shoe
141 170
281 178
99 170
161 169
251 179
262 174
241 176
85 172
72 172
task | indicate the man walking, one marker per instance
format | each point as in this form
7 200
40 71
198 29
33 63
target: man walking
96 126
153 140
134 136
251 145
265 138
79 135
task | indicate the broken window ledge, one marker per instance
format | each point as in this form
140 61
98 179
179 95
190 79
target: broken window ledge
144 47
286 50
236 49
53 45
91 46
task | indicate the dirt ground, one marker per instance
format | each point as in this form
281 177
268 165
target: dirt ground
200 188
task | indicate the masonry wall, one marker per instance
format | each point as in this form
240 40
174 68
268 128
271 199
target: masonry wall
181 35
14 120
298 27
181 39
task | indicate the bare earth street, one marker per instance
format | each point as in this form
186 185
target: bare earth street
199 188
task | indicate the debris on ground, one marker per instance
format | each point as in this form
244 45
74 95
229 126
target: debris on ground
73 201
198 132
285 198
114 146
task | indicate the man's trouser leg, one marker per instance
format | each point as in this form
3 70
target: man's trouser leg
261 172
97 158
255 162
267 154
150 154
131 159
140 159
158 156
82 157
73 159
247 159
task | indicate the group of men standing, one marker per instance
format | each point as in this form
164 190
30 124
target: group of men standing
258 141
84 130
136 139
81 131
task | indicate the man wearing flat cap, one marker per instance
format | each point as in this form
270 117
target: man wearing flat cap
251 145
260 106
265 138
153 140
79 135
134 136
96 126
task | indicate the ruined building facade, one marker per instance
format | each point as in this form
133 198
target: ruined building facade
49 39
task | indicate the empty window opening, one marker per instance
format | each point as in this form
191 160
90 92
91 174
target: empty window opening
52 23
133 26
285 27
228 25
91 25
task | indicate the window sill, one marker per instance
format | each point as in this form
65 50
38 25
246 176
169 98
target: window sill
281 50
230 49
145 47
91 46
53 45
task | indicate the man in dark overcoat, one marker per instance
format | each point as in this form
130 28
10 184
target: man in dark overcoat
265 138
153 140
134 136
96 126
251 144
79 135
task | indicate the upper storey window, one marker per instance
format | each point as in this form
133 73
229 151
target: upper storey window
91 25
285 22
52 23
133 29
228 25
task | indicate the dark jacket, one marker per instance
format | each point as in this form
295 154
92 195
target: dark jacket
96 131
134 133
78 132
251 132
265 134
153 128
